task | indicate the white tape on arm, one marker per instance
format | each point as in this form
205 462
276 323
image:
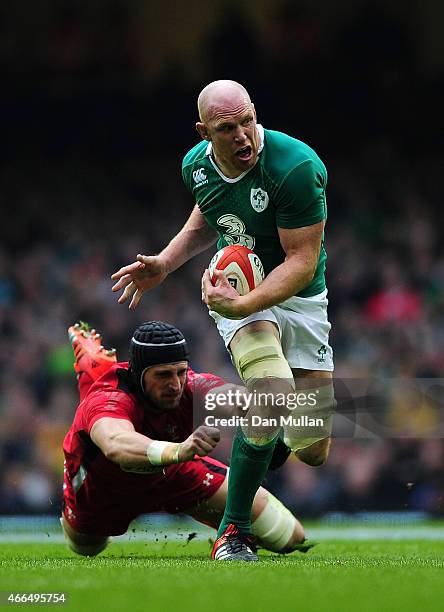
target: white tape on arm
154 452
163 453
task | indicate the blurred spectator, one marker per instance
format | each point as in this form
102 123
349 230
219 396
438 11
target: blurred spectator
91 176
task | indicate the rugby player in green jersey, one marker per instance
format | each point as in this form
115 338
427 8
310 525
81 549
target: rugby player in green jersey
265 190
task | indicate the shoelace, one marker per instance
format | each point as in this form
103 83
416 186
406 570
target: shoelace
235 543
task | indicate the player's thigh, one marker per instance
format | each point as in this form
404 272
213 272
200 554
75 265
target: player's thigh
305 331
251 328
257 354
229 328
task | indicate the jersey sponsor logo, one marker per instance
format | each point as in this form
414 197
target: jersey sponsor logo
259 199
234 231
199 177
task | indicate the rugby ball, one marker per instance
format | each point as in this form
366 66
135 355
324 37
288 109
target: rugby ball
242 267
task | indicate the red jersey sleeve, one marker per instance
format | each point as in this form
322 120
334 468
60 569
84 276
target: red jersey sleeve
109 403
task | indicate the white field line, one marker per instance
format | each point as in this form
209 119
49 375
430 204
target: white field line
180 534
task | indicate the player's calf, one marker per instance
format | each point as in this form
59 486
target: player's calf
310 440
315 454
81 543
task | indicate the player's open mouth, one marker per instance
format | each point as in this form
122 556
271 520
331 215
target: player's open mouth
245 153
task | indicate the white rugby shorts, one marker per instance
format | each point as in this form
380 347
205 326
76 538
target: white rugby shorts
303 328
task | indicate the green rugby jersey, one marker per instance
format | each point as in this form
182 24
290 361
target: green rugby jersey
285 188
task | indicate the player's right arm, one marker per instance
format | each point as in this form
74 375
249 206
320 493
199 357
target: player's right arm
121 444
149 271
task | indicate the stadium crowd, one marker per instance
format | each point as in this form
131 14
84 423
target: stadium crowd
90 176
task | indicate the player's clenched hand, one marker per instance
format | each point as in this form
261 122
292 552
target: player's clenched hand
222 298
201 442
142 275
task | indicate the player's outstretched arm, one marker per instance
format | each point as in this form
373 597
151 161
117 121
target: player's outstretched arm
149 271
120 443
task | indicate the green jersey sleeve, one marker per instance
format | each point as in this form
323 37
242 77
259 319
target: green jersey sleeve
196 155
300 199
186 174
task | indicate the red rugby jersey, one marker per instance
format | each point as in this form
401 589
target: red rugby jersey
110 396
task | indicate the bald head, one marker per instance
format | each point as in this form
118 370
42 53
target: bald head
221 94
228 121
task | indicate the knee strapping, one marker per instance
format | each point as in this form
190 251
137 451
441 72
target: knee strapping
259 355
274 526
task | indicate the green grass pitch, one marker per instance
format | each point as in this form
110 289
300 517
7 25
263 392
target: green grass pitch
174 576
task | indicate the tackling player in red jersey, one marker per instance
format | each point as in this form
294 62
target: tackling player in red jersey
132 450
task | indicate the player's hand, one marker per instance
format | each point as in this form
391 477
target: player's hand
201 442
142 275
222 298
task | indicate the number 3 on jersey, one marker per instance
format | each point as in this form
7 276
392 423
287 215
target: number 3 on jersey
233 231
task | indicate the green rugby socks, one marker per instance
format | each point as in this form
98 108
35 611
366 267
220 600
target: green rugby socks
249 464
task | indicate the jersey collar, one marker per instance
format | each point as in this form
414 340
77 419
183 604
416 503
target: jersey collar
209 152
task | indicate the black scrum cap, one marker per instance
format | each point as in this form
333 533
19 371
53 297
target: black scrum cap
155 343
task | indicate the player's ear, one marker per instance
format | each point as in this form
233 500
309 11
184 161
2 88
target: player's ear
254 111
202 130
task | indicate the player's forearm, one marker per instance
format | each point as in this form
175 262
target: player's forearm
190 241
131 449
283 282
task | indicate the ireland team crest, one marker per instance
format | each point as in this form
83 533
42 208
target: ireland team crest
259 199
